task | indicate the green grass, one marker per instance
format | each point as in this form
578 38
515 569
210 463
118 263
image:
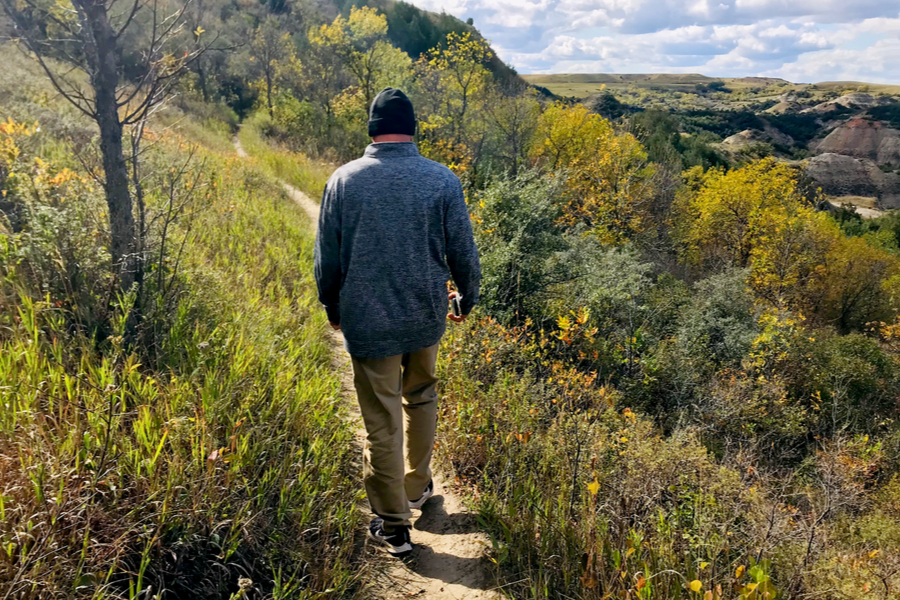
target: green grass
297 169
218 460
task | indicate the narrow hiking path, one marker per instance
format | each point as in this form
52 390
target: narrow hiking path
449 561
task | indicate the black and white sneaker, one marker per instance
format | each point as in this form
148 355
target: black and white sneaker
397 542
428 493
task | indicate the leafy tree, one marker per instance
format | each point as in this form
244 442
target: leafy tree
453 82
720 215
859 284
516 224
720 323
512 122
609 179
360 41
661 134
756 217
790 255
609 107
269 51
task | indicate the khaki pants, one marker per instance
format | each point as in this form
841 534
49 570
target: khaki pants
393 392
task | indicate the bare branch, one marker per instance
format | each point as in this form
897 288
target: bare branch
71 95
134 11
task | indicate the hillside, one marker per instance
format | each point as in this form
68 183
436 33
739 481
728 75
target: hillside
848 131
582 85
579 85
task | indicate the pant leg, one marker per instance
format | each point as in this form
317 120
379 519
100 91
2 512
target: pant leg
378 389
420 404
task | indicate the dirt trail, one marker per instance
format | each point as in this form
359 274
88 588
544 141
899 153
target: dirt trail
449 560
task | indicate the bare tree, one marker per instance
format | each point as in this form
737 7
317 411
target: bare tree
88 38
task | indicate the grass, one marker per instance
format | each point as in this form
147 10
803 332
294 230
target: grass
217 463
296 169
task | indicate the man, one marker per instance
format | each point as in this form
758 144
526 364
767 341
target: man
393 229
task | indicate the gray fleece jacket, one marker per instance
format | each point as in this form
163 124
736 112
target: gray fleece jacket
393 229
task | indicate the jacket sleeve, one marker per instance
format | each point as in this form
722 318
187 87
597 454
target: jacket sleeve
328 252
462 255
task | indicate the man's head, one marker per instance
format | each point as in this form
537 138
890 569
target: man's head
391 117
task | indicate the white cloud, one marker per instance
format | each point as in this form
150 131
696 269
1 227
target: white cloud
802 40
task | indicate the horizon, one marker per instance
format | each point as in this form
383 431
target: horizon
806 41
723 77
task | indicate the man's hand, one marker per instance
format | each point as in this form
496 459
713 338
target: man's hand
450 315
335 326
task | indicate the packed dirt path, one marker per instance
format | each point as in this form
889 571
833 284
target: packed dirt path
449 559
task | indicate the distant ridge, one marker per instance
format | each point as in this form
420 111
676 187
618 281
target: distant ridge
582 85
677 79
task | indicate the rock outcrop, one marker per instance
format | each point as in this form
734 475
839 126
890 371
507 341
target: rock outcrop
843 175
854 100
862 138
784 107
754 136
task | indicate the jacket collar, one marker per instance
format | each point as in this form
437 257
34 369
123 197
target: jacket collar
391 150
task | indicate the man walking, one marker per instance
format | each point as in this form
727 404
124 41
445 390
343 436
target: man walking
393 229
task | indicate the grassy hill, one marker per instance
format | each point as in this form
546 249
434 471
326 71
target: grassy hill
583 85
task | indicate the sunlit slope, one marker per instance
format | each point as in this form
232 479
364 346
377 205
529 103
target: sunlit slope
582 85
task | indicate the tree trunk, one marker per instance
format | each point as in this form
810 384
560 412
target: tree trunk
101 53
269 90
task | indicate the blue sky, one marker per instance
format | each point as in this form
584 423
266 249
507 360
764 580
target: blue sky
799 40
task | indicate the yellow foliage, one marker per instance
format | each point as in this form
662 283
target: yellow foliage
720 216
757 217
363 25
10 132
359 41
453 83
609 177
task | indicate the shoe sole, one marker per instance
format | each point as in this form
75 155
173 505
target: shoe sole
395 551
417 505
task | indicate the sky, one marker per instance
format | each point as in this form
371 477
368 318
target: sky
799 40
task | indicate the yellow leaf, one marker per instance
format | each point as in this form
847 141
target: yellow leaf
199 31
696 585
738 572
703 565
594 487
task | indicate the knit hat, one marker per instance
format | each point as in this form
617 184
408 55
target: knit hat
391 112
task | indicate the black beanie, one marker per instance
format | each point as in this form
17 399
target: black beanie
391 112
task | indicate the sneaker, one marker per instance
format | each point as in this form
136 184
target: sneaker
397 542
428 493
